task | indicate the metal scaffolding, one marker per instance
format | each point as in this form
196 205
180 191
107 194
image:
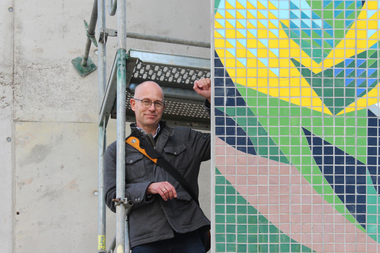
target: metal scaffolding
174 73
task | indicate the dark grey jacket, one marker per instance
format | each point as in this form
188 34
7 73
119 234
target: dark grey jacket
153 219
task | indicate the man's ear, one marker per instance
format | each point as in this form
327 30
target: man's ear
133 104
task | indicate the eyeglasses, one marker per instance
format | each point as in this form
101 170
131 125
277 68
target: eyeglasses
147 103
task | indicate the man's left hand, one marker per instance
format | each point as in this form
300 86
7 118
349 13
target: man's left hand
203 88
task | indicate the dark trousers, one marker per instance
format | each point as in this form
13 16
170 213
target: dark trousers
181 243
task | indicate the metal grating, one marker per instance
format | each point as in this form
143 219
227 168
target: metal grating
176 75
168 75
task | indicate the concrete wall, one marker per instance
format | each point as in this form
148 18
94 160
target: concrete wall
48 117
6 126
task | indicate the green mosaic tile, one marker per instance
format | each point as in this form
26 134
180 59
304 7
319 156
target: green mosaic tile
315 35
231 208
231 228
219 219
219 190
352 16
372 63
328 14
361 132
304 35
252 238
220 248
241 111
329 6
317 52
219 209
327 35
231 247
293 36
340 16
262 111
373 55
329 21
263 248
241 248
316 5
274 248
373 75
284 130
263 238
253 248
220 238
242 229
230 199
252 229
306 122
274 238
308 45
241 219
230 219
216 4
220 180
307 51
241 209
351 6
273 111
231 111
241 238
231 237
221 228
336 42
340 6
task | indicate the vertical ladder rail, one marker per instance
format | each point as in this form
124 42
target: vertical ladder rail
102 80
122 241
101 200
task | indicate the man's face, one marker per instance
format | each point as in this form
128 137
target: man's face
147 118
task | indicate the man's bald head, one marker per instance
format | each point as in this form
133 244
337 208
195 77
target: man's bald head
148 85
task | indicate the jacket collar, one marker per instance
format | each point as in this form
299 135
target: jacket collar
138 132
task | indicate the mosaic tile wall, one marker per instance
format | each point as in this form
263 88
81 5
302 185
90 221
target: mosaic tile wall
297 126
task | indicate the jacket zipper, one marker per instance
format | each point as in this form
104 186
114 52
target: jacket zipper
152 140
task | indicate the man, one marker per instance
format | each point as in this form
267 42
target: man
164 217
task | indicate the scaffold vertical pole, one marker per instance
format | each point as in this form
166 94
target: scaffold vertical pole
122 242
102 129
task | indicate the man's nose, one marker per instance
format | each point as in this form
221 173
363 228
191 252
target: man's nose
152 107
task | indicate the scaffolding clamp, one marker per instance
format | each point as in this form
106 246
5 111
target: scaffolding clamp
103 36
124 202
90 36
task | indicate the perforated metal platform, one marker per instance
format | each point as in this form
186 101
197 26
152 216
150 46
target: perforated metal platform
176 75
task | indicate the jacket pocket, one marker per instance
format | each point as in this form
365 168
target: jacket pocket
134 166
175 151
178 156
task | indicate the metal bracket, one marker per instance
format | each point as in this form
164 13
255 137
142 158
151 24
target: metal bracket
90 36
103 36
124 202
128 204
83 70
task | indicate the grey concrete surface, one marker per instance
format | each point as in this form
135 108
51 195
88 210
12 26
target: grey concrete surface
50 163
6 126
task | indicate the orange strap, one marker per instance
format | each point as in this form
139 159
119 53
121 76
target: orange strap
134 142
